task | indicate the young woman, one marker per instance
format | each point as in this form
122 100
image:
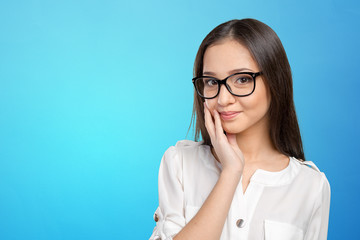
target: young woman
247 178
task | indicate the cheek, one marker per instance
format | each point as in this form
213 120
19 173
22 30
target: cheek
257 103
210 103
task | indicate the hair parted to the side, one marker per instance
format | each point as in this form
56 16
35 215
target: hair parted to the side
269 54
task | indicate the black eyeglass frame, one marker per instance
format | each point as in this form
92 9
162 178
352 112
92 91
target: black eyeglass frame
219 82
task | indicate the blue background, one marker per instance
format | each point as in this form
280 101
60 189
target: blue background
92 93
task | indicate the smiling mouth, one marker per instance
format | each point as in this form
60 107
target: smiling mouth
229 115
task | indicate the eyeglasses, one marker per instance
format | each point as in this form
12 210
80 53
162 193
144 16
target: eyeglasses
239 84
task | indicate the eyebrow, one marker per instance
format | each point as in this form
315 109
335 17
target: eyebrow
230 72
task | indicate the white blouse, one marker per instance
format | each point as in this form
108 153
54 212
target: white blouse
291 204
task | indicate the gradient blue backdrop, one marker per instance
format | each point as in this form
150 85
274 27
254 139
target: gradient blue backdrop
92 93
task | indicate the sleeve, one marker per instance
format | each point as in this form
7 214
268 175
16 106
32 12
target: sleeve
169 216
318 225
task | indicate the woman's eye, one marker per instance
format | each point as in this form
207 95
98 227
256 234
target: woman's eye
243 80
210 82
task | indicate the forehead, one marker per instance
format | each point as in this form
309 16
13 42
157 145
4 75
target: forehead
226 56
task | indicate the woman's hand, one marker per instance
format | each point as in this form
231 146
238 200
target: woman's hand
225 146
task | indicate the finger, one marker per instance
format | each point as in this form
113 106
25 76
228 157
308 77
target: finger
232 139
209 122
219 131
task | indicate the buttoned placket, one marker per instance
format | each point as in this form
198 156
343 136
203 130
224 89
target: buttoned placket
237 215
244 204
243 208
236 219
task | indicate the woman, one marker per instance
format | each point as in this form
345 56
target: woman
247 178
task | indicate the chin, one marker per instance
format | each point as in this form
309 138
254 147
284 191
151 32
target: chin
233 128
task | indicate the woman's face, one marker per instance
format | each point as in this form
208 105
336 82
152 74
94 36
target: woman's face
222 60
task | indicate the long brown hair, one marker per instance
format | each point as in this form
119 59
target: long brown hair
268 52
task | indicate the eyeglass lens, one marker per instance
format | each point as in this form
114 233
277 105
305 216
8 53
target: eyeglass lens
239 84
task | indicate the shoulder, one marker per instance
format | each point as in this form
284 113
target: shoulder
188 144
312 175
183 145
174 155
179 158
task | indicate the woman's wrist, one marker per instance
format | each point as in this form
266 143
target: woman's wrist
233 171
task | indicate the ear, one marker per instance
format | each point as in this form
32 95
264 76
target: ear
269 95
268 92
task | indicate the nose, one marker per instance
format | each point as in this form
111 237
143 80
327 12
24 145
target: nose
225 97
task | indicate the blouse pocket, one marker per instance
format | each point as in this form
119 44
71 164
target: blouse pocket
190 212
282 231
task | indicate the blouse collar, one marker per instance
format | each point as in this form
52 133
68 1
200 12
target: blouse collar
282 177
269 178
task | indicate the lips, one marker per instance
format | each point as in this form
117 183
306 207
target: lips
228 115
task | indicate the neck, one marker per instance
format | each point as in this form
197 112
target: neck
255 143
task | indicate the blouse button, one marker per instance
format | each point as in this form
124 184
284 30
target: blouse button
240 223
156 218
